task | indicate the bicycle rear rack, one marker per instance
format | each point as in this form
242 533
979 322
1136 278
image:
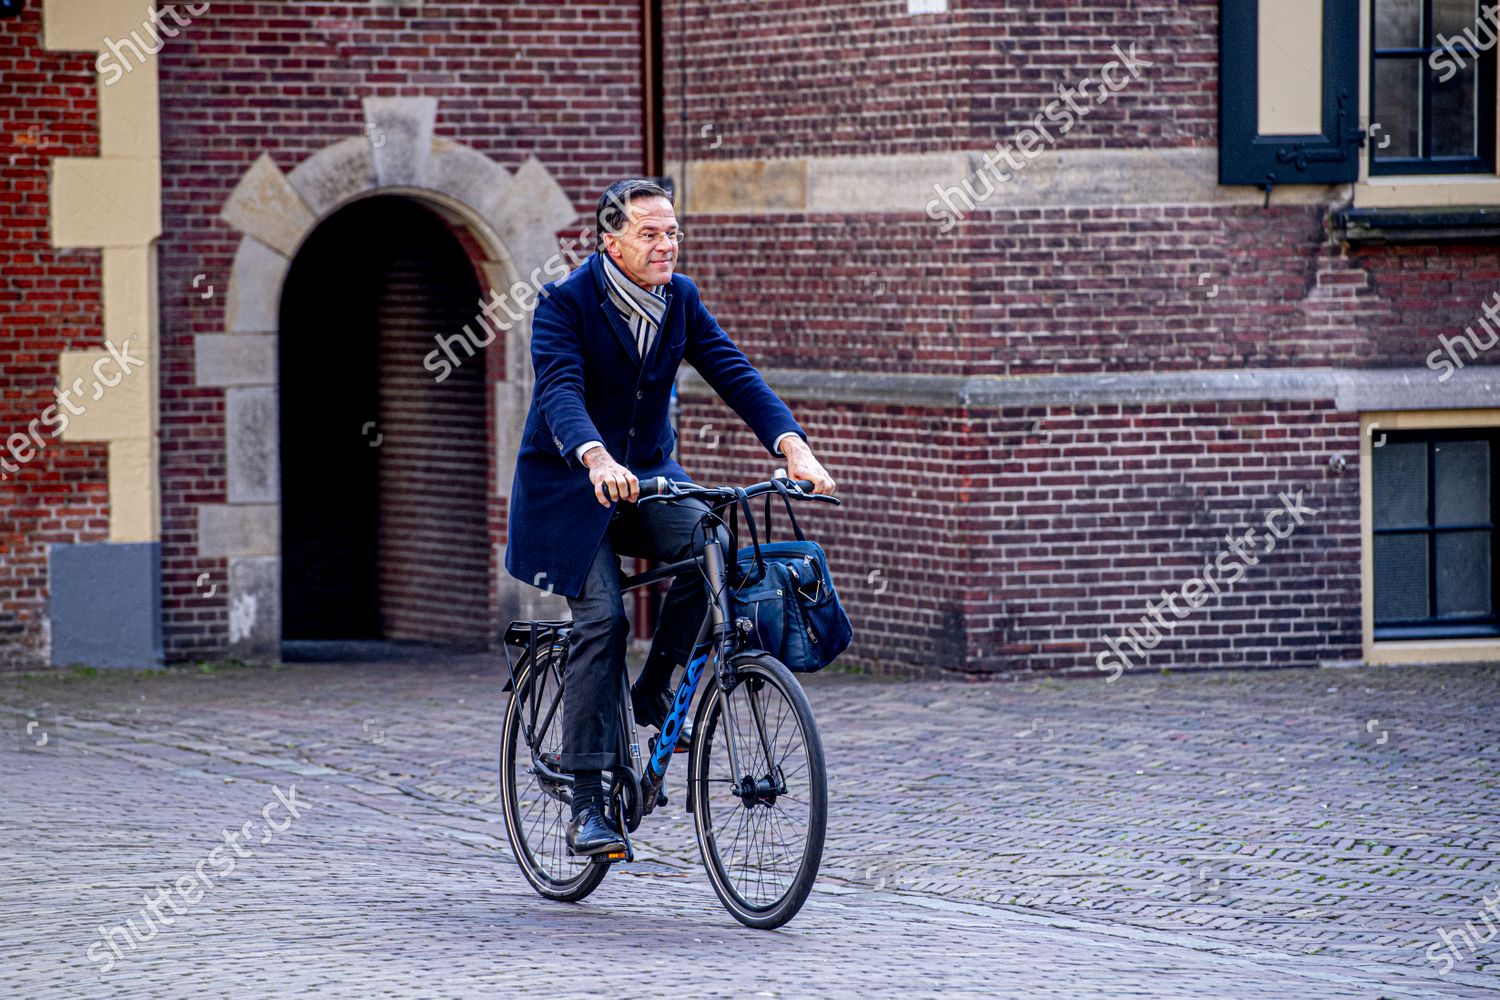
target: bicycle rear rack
524 635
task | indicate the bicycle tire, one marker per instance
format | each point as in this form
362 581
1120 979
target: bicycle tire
730 802
549 869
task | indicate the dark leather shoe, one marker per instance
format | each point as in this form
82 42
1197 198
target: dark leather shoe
652 711
590 833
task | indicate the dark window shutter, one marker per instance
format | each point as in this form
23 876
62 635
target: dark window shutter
1248 158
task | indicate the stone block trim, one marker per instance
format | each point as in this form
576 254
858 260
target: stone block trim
112 201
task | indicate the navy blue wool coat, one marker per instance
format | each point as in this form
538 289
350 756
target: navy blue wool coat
591 385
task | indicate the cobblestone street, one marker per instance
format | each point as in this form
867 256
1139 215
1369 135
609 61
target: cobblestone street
1279 834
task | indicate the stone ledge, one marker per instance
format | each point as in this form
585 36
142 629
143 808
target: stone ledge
1350 389
1059 179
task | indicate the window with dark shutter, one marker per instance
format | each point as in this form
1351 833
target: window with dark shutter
1328 153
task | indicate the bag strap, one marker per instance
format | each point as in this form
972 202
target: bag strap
743 500
786 499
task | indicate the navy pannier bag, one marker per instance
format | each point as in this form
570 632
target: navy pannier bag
787 593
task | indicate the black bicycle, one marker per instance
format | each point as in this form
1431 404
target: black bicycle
757 788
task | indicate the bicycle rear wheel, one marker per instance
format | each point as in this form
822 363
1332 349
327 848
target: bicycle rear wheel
760 824
537 808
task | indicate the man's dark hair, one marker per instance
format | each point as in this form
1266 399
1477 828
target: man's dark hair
613 210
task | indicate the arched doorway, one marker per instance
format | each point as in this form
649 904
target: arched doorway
385 470
509 220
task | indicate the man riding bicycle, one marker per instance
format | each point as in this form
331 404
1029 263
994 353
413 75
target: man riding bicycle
606 344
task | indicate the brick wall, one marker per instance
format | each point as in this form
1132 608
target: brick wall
782 79
997 546
1017 540
1091 512
766 79
1067 291
50 301
557 81
1018 545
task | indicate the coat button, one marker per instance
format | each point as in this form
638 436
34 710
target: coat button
632 432
639 394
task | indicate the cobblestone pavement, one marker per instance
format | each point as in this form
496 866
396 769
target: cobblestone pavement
1280 834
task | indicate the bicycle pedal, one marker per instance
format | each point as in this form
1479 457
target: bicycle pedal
616 856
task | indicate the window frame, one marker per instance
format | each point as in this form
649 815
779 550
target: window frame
1485 96
1372 424
1432 627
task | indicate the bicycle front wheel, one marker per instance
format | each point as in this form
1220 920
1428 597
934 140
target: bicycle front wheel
760 792
537 808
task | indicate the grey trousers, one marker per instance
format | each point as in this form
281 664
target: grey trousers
596 661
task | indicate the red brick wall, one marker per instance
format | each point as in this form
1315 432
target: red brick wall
1060 291
50 301
1054 290
1092 512
435 457
799 79
1016 540
866 77
514 79
1015 552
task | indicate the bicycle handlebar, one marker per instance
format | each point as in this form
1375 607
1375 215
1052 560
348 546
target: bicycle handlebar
662 488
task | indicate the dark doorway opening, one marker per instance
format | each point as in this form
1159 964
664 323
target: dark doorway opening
384 470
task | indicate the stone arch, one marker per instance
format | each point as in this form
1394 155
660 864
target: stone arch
513 218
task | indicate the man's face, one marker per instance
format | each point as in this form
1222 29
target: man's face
641 249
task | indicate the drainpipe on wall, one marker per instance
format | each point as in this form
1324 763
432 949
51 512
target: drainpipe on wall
653 150
653 129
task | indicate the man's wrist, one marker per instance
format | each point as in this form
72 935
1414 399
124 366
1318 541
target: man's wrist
790 444
594 456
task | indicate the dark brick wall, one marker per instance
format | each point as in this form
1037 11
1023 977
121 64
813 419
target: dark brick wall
999 546
50 301
766 79
557 81
802 79
1017 550
1017 540
1059 291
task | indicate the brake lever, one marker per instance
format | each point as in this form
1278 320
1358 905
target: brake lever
795 490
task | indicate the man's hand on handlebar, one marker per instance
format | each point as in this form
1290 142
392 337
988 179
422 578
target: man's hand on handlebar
611 480
800 464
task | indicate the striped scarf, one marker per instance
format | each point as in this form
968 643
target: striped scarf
642 309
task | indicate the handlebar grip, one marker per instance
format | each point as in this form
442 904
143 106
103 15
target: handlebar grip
805 485
654 487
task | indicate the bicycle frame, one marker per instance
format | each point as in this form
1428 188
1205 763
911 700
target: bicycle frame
716 633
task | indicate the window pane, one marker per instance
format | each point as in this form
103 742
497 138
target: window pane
1400 577
1398 23
1452 17
1462 482
1463 574
1398 106
1455 122
1400 484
